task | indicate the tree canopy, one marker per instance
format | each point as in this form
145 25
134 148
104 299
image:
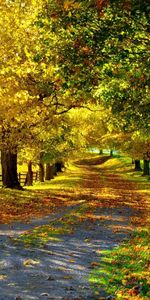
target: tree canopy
61 55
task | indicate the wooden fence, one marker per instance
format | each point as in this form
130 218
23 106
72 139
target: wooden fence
22 177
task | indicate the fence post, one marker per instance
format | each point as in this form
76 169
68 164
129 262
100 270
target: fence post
19 175
1 180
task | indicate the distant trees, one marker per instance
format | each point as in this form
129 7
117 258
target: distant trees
138 147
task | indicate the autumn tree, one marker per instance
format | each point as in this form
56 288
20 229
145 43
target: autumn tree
30 80
58 55
14 30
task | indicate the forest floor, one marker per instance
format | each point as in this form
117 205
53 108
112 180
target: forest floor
65 239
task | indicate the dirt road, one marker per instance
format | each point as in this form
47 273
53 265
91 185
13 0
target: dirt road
101 217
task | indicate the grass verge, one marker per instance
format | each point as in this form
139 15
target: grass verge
124 271
41 198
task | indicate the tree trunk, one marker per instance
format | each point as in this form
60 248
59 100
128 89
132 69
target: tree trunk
49 172
29 176
41 172
101 151
54 170
9 169
137 165
146 170
59 165
111 152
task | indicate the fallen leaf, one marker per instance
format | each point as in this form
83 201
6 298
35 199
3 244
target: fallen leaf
31 262
67 277
94 264
2 277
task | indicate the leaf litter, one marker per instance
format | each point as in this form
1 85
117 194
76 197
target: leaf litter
96 216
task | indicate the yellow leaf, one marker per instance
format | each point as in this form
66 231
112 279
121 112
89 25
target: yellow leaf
94 264
68 4
71 260
30 262
67 277
2 277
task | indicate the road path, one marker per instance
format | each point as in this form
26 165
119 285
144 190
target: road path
60 270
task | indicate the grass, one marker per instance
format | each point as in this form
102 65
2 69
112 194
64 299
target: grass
41 198
40 235
43 234
124 271
123 165
68 179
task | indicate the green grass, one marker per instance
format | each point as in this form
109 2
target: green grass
40 235
123 271
123 165
68 179
41 198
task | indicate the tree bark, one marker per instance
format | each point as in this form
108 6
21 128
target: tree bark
9 169
59 165
41 172
111 152
29 176
137 165
146 170
49 172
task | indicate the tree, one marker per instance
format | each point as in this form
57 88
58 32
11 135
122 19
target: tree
137 145
30 80
29 176
9 170
106 55
59 55
14 97
124 79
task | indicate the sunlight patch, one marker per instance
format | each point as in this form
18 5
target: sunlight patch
3 277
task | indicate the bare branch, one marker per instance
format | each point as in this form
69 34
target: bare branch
74 106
